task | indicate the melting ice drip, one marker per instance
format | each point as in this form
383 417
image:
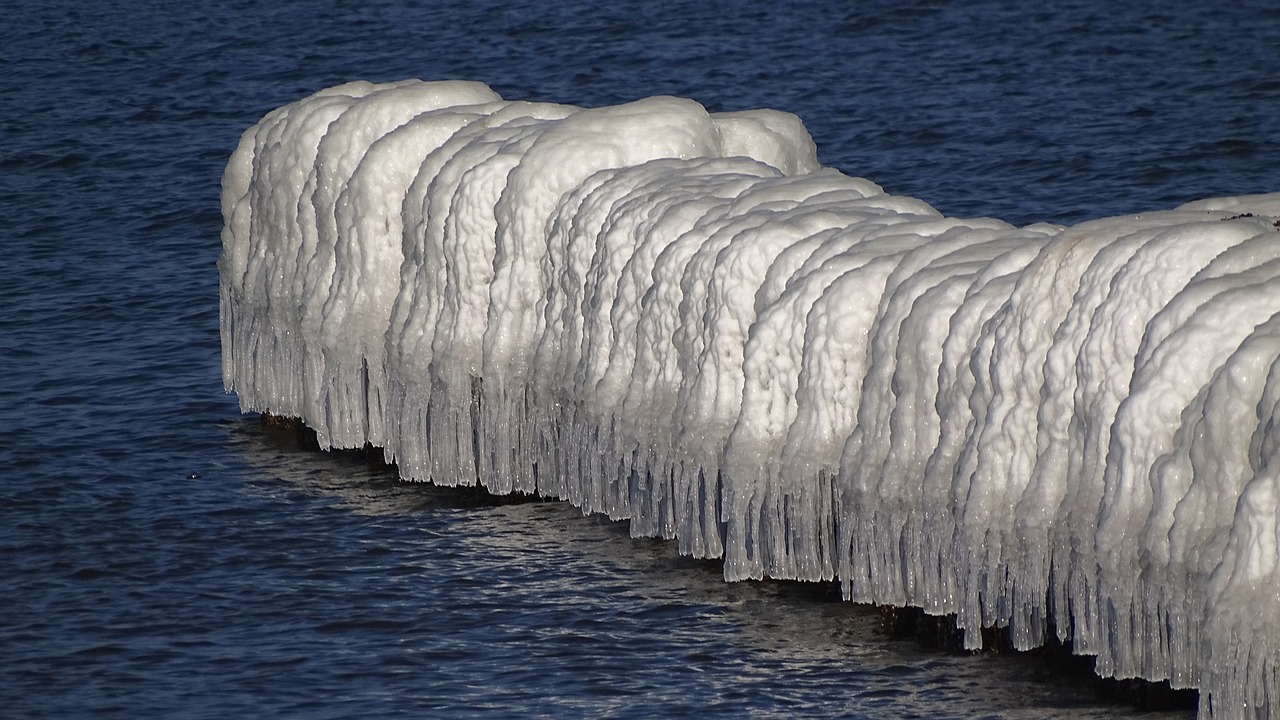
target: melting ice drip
679 318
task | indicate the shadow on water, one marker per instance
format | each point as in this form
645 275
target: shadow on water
366 483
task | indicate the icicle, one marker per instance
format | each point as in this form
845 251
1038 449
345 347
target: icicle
679 318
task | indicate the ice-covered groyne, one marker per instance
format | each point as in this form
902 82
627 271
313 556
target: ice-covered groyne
680 319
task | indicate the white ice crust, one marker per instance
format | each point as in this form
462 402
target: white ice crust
679 318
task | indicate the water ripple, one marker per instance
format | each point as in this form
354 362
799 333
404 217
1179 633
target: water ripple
160 556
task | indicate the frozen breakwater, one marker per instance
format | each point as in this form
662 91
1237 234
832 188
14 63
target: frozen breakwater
681 319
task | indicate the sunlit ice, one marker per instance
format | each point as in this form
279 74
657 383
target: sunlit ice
680 319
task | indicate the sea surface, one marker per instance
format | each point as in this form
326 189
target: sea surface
164 556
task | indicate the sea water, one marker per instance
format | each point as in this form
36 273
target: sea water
162 556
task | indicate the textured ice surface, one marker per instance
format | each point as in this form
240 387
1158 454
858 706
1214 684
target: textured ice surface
678 318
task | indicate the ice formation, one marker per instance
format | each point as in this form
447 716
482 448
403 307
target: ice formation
679 318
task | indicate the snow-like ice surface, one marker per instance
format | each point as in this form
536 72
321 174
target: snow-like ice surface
679 318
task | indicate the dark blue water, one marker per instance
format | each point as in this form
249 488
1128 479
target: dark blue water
162 556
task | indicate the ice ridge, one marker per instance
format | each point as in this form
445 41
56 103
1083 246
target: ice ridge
679 318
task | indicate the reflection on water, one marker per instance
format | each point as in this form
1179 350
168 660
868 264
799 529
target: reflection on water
533 592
